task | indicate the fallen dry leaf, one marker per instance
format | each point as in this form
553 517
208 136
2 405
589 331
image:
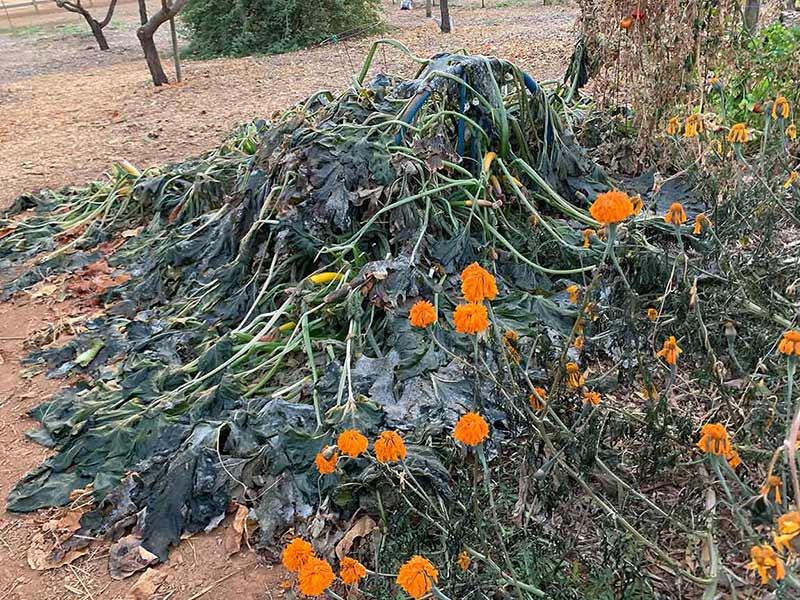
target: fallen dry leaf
44 291
361 528
146 586
127 557
234 535
54 545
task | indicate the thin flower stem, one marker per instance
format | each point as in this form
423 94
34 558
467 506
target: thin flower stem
612 238
332 594
791 442
715 462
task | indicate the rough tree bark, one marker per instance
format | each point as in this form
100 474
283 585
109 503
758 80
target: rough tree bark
428 8
445 9
75 6
146 32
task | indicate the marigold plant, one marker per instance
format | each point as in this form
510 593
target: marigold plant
591 398
791 131
296 554
351 571
417 577
780 108
389 447
326 460
674 126
652 314
464 561
538 398
575 379
788 530
422 314
573 292
771 490
790 343
670 351
694 125
587 234
763 560
471 429
352 443
701 221
611 207
738 134
315 576
675 215
714 439
471 318
638 204
477 284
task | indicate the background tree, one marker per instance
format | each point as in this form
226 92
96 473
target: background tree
751 10
428 4
75 6
169 9
445 9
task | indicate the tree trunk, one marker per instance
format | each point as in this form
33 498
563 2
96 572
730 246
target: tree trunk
97 30
428 8
445 9
751 10
152 57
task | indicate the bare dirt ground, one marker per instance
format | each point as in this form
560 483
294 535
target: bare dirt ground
69 109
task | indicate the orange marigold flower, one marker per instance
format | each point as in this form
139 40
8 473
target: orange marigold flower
652 314
315 576
464 561
326 460
588 233
675 215
772 487
714 439
694 125
701 221
788 529
780 108
580 342
738 134
674 126
765 559
351 571
417 577
538 398
471 318
791 131
477 284
638 205
573 292
390 447
626 23
593 397
611 207
670 351
471 429
296 554
793 177
422 314
575 378
790 344
352 443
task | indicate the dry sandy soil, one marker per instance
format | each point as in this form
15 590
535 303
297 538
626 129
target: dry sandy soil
69 109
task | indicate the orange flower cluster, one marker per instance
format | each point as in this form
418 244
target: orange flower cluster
780 108
351 571
389 447
296 554
772 487
573 292
611 207
417 576
326 460
791 131
670 351
714 439
694 125
315 576
788 530
591 397
763 560
477 284
790 344
674 126
738 134
352 443
675 215
422 314
575 379
471 318
587 234
626 23
471 429
538 398
701 221
638 205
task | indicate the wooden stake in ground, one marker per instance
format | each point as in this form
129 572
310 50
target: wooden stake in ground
145 33
96 26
